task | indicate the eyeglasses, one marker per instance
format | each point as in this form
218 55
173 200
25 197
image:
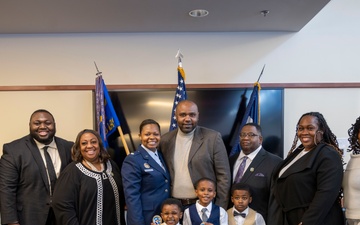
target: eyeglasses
250 135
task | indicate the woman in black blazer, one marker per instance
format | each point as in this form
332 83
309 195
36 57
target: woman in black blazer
308 182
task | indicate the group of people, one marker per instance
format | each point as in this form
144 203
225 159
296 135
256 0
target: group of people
47 180
184 177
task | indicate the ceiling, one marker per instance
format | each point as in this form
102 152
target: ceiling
108 16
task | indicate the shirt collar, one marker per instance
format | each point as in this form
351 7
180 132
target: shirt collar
41 145
186 134
252 155
246 211
149 151
199 207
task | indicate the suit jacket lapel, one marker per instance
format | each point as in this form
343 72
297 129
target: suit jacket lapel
61 150
196 143
304 162
39 161
151 161
254 164
166 172
169 152
232 161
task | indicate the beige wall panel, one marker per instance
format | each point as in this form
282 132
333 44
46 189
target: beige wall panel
73 111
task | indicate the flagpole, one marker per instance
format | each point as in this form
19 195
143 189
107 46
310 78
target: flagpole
261 74
259 87
97 69
119 127
179 56
123 140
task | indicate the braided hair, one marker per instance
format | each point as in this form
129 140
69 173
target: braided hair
328 136
353 137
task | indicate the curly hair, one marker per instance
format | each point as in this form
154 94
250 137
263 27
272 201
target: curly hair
76 152
329 137
172 201
353 137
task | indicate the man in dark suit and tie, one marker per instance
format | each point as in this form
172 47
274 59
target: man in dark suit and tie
254 166
29 167
193 152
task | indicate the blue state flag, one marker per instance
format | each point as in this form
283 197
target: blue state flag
180 95
251 115
235 130
106 118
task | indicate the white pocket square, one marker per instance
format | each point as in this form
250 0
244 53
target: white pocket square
259 175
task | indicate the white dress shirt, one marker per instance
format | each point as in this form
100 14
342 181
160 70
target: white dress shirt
54 155
154 155
239 220
250 158
223 214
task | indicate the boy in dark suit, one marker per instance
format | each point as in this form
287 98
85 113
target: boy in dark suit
241 213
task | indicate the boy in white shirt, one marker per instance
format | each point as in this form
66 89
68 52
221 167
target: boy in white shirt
205 212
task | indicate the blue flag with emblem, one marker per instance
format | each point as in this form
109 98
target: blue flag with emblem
180 95
106 118
251 115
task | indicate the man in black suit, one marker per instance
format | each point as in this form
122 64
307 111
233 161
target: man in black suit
28 174
258 166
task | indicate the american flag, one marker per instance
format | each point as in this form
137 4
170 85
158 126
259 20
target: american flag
180 95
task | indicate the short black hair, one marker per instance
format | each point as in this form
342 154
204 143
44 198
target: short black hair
172 201
257 127
204 179
42 111
148 121
241 186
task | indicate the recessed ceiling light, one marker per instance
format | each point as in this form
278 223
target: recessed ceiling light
198 13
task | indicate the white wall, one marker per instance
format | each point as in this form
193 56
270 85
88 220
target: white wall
325 50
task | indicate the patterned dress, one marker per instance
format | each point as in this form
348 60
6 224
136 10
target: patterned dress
86 197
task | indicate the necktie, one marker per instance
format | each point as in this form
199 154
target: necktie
239 214
50 168
204 217
240 172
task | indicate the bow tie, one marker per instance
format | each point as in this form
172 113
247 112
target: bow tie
239 214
